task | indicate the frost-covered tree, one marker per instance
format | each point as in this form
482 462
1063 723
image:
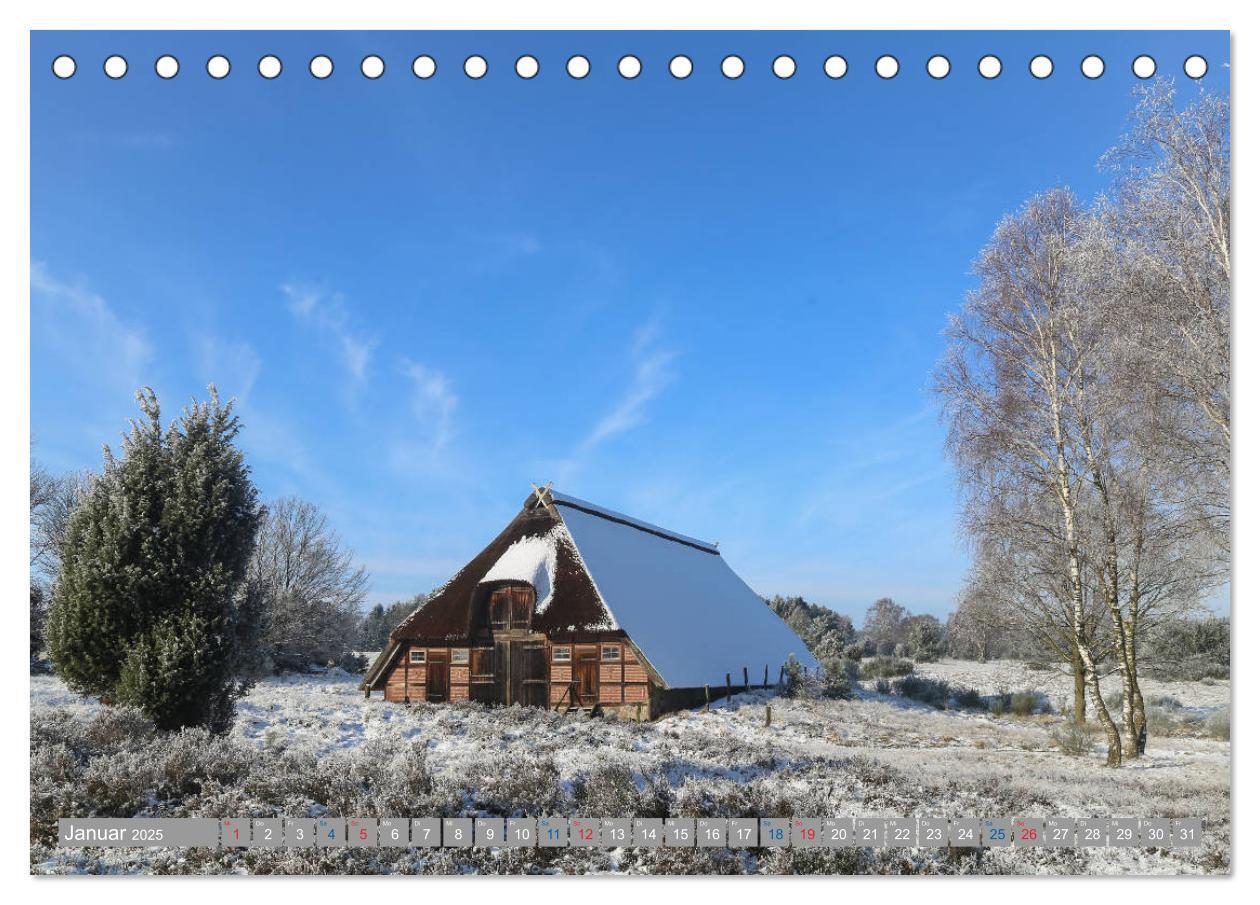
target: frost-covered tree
825 632
380 620
39 616
925 641
884 625
53 500
310 591
147 608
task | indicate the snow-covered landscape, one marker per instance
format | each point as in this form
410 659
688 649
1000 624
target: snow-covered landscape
310 745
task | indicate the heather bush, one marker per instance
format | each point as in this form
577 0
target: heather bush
932 692
1020 703
968 699
886 667
608 790
1217 724
1073 738
835 680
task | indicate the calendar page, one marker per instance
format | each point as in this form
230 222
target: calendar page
629 452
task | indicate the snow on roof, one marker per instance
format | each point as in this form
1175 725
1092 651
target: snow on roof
692 617
564 500
533 560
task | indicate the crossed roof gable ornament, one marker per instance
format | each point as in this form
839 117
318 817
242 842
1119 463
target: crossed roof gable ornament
542 498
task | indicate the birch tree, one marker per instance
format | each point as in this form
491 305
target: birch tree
311 591
1007 385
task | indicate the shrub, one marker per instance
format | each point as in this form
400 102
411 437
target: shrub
1191 649
932 692
352 662
147 608
835 680
1025 703
1162 721
927 641
793 677
885 667
968 699
606 790
1021 703
859 649
1073 738
1217 724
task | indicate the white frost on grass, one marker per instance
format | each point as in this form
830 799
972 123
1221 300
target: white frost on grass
909 759
1012 675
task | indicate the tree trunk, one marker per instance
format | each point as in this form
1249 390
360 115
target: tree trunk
1078 681
1114 744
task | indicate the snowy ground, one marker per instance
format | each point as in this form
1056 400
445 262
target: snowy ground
874 755
1011 675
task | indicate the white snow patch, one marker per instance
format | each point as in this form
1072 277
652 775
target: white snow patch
531 560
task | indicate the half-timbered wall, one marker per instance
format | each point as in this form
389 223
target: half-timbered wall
469 671
609 665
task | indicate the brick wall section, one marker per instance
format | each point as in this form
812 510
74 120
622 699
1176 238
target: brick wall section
610 694
635 673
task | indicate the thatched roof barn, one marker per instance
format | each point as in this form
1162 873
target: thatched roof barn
576 606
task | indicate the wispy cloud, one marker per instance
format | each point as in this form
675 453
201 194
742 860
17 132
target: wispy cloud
327 314
89 334
433 402
652 373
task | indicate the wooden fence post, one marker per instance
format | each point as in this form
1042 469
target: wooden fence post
728 689
706 699
746 687
780 676
767 716
765 679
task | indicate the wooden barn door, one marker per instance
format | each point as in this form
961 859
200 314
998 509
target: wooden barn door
533 666
439 684
586 675
521 673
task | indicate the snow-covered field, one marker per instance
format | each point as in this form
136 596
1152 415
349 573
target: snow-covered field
299 739
1013 675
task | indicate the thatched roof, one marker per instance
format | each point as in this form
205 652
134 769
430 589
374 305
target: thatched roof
595 570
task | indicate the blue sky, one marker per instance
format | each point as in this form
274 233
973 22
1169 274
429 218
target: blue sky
711 304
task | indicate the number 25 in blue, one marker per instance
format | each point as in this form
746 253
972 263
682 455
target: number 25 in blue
996 834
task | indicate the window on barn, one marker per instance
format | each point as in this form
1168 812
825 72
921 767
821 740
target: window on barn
611 652
459 655
562 655
417 656
510 608
500 610
522 603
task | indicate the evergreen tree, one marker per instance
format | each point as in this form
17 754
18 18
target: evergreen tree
149 608
39 615
380 620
